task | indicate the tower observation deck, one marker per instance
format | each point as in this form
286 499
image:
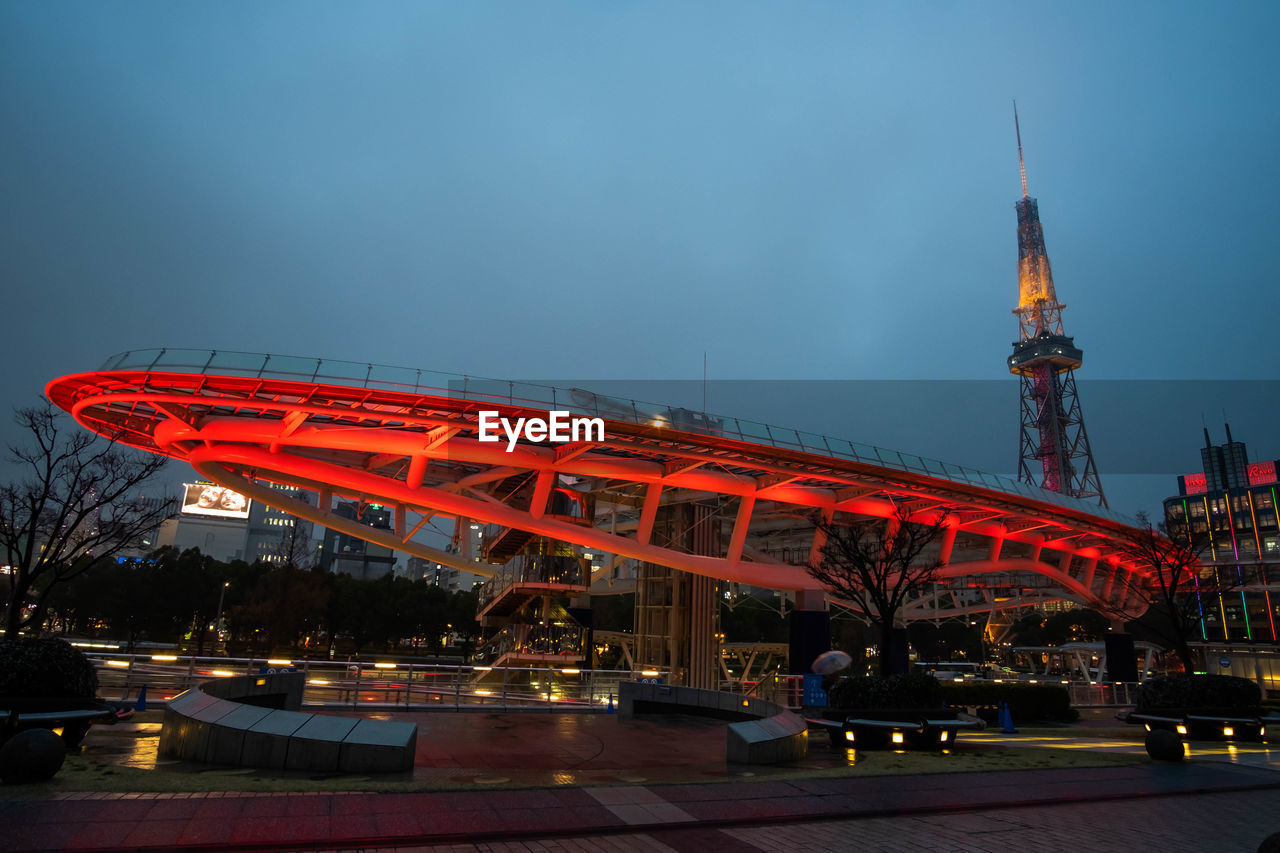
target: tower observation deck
1053 446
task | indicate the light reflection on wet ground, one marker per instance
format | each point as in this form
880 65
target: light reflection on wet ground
535 749
593 749
1262 755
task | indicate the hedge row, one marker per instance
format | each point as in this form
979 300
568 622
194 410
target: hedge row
1028 703
913 690
1213 693
45 668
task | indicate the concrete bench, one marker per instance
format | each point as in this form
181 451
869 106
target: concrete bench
773 740
1207 726
868 733
69 718
202 727
762 732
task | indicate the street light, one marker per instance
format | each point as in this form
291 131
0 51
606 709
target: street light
222 594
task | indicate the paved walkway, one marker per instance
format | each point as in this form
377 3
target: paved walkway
229 821
1206 823
591 784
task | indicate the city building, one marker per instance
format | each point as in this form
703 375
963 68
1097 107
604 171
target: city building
274 536
448 577
341 553
226 525
1229 508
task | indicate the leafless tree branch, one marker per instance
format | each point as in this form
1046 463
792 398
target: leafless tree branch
76 505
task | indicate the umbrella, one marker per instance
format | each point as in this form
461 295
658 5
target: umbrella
831 662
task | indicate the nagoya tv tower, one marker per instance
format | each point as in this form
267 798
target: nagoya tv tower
1053 450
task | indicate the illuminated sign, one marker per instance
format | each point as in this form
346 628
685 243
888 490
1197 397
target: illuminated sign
559 427
1197 484
1261 473
208 499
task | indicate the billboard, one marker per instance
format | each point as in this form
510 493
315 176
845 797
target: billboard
210 499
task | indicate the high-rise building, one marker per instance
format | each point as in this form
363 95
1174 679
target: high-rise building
1229 508
226 525
274 536
345 554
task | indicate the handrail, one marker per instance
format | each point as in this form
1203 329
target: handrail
582 402
349 684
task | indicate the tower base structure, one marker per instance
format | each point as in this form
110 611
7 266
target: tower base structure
677 615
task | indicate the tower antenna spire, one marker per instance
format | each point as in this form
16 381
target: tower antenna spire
1022 170
1053 449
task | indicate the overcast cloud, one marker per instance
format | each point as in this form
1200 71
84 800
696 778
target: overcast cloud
609 190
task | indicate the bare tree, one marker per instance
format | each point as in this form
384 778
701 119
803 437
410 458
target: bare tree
75 507
296 547
877 566
1180 583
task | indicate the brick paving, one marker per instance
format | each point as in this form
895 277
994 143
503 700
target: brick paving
960 811
680 796
1235 822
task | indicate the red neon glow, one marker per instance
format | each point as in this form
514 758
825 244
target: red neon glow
1261 473
419 453
1197 484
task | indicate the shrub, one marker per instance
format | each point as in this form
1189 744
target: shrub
1218 693
910 691
45 668
1027 703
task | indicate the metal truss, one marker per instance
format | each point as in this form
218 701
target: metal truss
419 454
1053 446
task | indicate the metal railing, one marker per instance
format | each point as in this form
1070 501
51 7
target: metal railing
535 639
581 402
788 690
431 686
375 685
533 568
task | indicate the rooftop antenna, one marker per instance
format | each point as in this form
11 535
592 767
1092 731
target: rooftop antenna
1022 169
704 382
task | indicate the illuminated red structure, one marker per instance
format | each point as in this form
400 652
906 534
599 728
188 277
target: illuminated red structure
1053 447
406 439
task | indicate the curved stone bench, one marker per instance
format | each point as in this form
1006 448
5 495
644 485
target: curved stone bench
253 721
765 733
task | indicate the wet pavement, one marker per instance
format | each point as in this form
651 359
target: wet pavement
599 782
1264 756
514 749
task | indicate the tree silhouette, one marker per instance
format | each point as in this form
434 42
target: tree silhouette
1179 582
76 508
877 566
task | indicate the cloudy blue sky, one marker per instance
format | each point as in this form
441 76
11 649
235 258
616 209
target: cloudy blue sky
803 191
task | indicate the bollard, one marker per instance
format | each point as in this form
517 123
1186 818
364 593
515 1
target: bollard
142 699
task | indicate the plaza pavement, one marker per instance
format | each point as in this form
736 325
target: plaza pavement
1194 806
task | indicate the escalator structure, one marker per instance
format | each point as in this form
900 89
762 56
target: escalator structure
526 609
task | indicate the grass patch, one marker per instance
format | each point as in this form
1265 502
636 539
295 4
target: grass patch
1120 731
965 760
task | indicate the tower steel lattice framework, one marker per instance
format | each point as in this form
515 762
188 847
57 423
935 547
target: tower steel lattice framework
1053 446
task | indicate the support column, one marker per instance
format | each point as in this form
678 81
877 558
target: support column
810 631
677 614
